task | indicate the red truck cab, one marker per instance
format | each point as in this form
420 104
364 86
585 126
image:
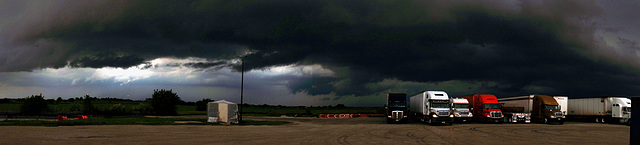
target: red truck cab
486 107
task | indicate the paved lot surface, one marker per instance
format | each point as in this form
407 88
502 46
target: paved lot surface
322 131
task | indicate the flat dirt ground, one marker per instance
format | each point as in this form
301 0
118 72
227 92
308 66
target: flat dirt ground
322 131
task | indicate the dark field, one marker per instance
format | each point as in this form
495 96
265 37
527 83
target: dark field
128 108
308 130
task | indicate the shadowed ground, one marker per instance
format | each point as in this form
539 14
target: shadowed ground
321 131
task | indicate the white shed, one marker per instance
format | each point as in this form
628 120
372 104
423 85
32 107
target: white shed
222 111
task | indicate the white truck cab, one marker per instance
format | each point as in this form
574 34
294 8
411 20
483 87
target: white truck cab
460 110
621 108
431 107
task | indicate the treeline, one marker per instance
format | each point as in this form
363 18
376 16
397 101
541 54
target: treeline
282 106
61 100
162 102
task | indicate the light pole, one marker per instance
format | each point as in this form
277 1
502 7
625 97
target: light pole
241 88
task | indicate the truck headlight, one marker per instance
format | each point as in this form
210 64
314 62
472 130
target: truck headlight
451 115
553 116
564 116
388 116
488 115
470 115
434 116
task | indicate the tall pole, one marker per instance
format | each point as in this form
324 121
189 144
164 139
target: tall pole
241 89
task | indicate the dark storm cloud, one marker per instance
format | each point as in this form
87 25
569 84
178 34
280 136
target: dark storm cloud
107 60
520 44
204 65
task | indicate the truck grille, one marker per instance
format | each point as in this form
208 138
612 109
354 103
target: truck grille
443 113
559 114
464 112
496 114
396 114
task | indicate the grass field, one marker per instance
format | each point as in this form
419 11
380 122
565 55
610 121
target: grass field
76 106
250 110
129 121
308 111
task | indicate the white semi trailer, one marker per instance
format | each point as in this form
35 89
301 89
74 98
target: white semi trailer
601 109
431 107
563 103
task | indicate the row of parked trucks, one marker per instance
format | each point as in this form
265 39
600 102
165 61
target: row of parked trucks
437 107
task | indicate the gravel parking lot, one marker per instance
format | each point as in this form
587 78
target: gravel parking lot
322 131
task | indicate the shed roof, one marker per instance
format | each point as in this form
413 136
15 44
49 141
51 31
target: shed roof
224 101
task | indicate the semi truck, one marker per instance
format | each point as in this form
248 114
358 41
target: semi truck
601 109
543 108
396 108
485 107
460 109
431 107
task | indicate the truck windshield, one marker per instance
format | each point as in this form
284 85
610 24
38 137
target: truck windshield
440 105
397 104
491 106
461 106
551 107
627 109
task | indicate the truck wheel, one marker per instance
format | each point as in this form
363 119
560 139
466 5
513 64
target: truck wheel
546 121
597 120
510 120
602 120
429 121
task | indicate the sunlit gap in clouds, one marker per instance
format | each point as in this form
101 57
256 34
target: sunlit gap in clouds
124 76
296 70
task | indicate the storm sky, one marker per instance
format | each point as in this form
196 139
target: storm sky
307 52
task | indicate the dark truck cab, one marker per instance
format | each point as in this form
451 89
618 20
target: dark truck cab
396 108
546 110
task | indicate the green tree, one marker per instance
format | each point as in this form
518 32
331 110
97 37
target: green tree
87 105
144 108
59 100
202 104
34 105
164 102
